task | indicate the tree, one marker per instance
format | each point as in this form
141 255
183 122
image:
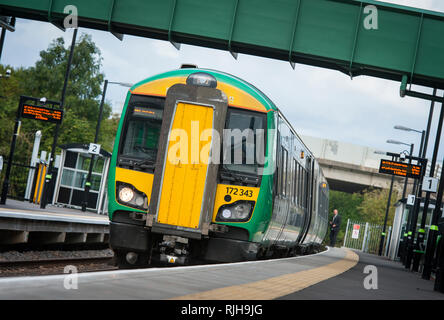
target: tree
374 204
45 79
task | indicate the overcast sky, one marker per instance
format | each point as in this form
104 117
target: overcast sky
320 103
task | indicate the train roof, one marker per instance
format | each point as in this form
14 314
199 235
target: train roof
221 77
180 75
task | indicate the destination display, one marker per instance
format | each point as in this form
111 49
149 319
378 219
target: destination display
400 169
148 113
42 113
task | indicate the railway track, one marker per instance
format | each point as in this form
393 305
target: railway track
55 266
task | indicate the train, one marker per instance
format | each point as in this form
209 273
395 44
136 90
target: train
205 167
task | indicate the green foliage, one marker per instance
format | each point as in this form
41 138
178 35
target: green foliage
374 206
45 79
347 205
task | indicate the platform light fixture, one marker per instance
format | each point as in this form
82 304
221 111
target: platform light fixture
398 127
398 142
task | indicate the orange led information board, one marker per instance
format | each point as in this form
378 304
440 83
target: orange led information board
400 169
42 113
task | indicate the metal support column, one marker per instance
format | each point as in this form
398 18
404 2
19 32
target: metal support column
5 186
414 221
381 241
433 231
421 232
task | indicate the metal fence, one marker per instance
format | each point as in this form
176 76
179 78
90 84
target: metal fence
18 179
365 236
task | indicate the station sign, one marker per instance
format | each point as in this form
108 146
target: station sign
355 233
42 113
400 169
430 184
94 148
411 200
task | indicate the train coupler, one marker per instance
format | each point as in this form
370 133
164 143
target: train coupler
174 250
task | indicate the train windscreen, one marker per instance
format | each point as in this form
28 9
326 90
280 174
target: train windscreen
244 142
142 130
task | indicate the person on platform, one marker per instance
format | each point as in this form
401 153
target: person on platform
335 225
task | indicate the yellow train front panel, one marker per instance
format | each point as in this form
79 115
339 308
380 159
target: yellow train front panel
186 165
227 194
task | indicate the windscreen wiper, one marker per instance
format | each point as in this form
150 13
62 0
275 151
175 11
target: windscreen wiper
145 163
238 177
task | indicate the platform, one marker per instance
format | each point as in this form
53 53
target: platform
245 280
23 222
333 274
394 282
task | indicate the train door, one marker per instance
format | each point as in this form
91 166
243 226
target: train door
184 184
281 189
283 204
307 187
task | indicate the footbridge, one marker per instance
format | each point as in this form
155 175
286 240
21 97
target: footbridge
355 37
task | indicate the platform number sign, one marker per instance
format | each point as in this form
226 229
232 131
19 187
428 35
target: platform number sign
94 148
430 184
411 200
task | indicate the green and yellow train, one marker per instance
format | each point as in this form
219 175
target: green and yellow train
206 167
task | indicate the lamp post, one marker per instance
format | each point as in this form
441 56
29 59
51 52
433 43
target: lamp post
410 160
96 138
381 243
422 147
382 240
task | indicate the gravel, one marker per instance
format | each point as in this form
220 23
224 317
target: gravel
10 256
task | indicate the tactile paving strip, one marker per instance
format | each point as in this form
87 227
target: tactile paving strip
276 287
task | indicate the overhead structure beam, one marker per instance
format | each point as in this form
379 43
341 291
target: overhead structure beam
355 37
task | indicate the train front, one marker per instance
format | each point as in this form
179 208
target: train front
168 199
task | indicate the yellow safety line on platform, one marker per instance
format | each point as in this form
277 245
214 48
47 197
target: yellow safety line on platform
276 287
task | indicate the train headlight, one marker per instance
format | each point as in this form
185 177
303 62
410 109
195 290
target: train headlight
226 214
139 200
202 79
239 211
128 195
242 210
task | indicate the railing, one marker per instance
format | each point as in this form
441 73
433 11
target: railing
365 236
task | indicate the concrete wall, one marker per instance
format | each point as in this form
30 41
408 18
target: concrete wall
352 168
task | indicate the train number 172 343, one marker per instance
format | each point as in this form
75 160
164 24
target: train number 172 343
239 192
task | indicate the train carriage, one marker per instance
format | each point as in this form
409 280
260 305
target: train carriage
206 167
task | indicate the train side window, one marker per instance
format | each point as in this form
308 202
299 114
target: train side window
305 189
315 191
295 182
278 165
299 185
300 182
284 171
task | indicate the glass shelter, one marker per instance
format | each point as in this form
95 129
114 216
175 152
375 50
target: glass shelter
70 183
